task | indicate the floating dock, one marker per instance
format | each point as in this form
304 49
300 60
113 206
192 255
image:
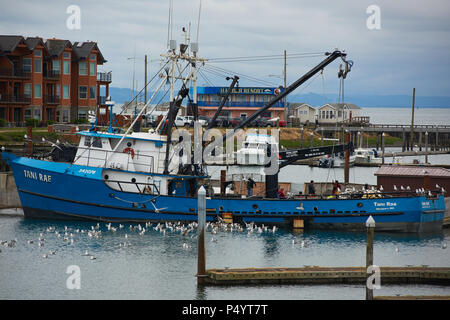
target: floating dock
326 275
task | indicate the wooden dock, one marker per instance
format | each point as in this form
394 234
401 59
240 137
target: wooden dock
327 275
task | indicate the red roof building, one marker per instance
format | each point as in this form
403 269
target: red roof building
52 81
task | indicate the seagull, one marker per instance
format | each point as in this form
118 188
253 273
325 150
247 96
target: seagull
52 144
93 258
45 256
437 186
300 207
381 188
86 253
402 188
395 187
396 249
408 188
444 246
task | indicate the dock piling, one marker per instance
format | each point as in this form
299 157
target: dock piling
201 254
370 225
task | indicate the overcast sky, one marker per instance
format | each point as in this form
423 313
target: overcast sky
411 48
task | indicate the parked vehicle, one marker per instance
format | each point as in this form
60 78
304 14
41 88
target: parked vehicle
206 119
222 121
233 122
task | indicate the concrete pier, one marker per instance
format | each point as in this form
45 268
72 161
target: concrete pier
9 198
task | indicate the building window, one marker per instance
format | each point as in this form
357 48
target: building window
91 92
92 57
66 55
37 114
27 114
82 115
37 66
66 66
58 91
27 90
56 66
38 53
37 91
92 71
83 92
83 69
65 115
26 65
65 92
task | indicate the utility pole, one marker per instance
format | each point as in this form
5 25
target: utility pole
145 76
285 99
412 120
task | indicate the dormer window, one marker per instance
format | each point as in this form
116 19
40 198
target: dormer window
38 53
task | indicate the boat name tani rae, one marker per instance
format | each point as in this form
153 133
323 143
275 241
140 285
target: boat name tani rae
37 176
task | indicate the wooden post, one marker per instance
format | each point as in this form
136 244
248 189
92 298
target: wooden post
412 120
347 160
370 226
301 137
403 139
201 254
223 174
420 141
321 136
382 148
377 136
436 142
426 147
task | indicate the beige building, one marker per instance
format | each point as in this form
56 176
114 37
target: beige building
331 113
305 113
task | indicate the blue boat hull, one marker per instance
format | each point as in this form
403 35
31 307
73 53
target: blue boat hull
63 191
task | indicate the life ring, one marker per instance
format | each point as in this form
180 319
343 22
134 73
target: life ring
129 150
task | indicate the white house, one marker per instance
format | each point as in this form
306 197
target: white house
337 112
305 113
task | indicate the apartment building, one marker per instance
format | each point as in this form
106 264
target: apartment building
53 80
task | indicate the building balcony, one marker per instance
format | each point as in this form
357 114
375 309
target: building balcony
14 73
104 77
52 74
14 99
51 99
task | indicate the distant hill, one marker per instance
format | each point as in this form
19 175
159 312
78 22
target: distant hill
398 101
120 95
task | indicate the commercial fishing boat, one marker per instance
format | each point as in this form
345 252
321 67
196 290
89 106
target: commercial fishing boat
147 176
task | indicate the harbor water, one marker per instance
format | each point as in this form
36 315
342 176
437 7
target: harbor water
127 264
38 257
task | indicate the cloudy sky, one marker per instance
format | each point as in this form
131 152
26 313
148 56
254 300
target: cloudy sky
411 48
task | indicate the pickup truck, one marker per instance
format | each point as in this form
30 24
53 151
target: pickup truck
187 121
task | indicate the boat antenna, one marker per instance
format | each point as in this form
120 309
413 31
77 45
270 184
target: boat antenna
169 25
198 23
